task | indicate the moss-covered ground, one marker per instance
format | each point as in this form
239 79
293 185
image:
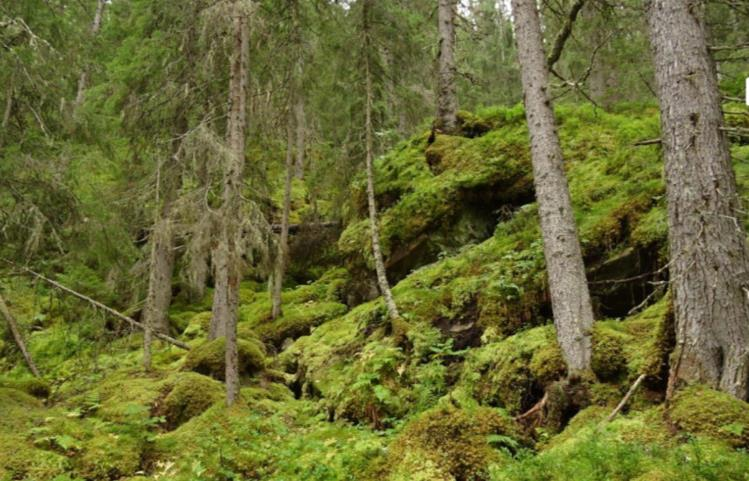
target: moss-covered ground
332 391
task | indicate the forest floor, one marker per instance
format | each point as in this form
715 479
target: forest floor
334 391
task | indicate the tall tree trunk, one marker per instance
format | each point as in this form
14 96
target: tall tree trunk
382 280
161 257
17 336
300 121
447 103
283 244
709 265
227 261
83 79
159 295
570 299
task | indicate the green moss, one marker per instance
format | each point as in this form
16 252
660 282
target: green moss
209 358
699 410
113 398
181 320
191 395
630 447
448 443
19 459
608 361
31 385
435 197
197 326
303 308
109 456
471 125
298 320
508 373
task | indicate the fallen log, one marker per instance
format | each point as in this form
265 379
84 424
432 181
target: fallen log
17 336
101 306
294 228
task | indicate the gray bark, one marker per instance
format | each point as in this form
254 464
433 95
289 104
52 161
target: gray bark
447 102
159 295
709 266
570 299
301 132
18 336
382 280
95 27
227 261
283 244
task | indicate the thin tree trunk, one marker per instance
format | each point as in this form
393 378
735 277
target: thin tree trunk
447 103
83 79
299 118
283 244
227 261
8 104
709 258
382 280
17 336
570 299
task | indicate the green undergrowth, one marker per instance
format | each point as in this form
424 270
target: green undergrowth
332 390
633 447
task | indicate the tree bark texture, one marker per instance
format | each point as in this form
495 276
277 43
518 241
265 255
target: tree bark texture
18 336
447 102
709 266
283 243
299 118
159 295
382 280
226 256
570 299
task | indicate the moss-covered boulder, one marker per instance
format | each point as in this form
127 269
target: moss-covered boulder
296 320
109 456
115 398
191 395
513 372
209 358
703 411
608 361
197 325
450 443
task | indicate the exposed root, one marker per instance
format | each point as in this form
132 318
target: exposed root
534 417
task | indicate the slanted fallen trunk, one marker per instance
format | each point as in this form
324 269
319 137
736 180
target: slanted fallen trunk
17 336
101 306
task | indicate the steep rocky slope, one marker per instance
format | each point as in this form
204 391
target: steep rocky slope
332 391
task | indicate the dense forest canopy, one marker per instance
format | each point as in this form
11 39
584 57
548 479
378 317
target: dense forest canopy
452 240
